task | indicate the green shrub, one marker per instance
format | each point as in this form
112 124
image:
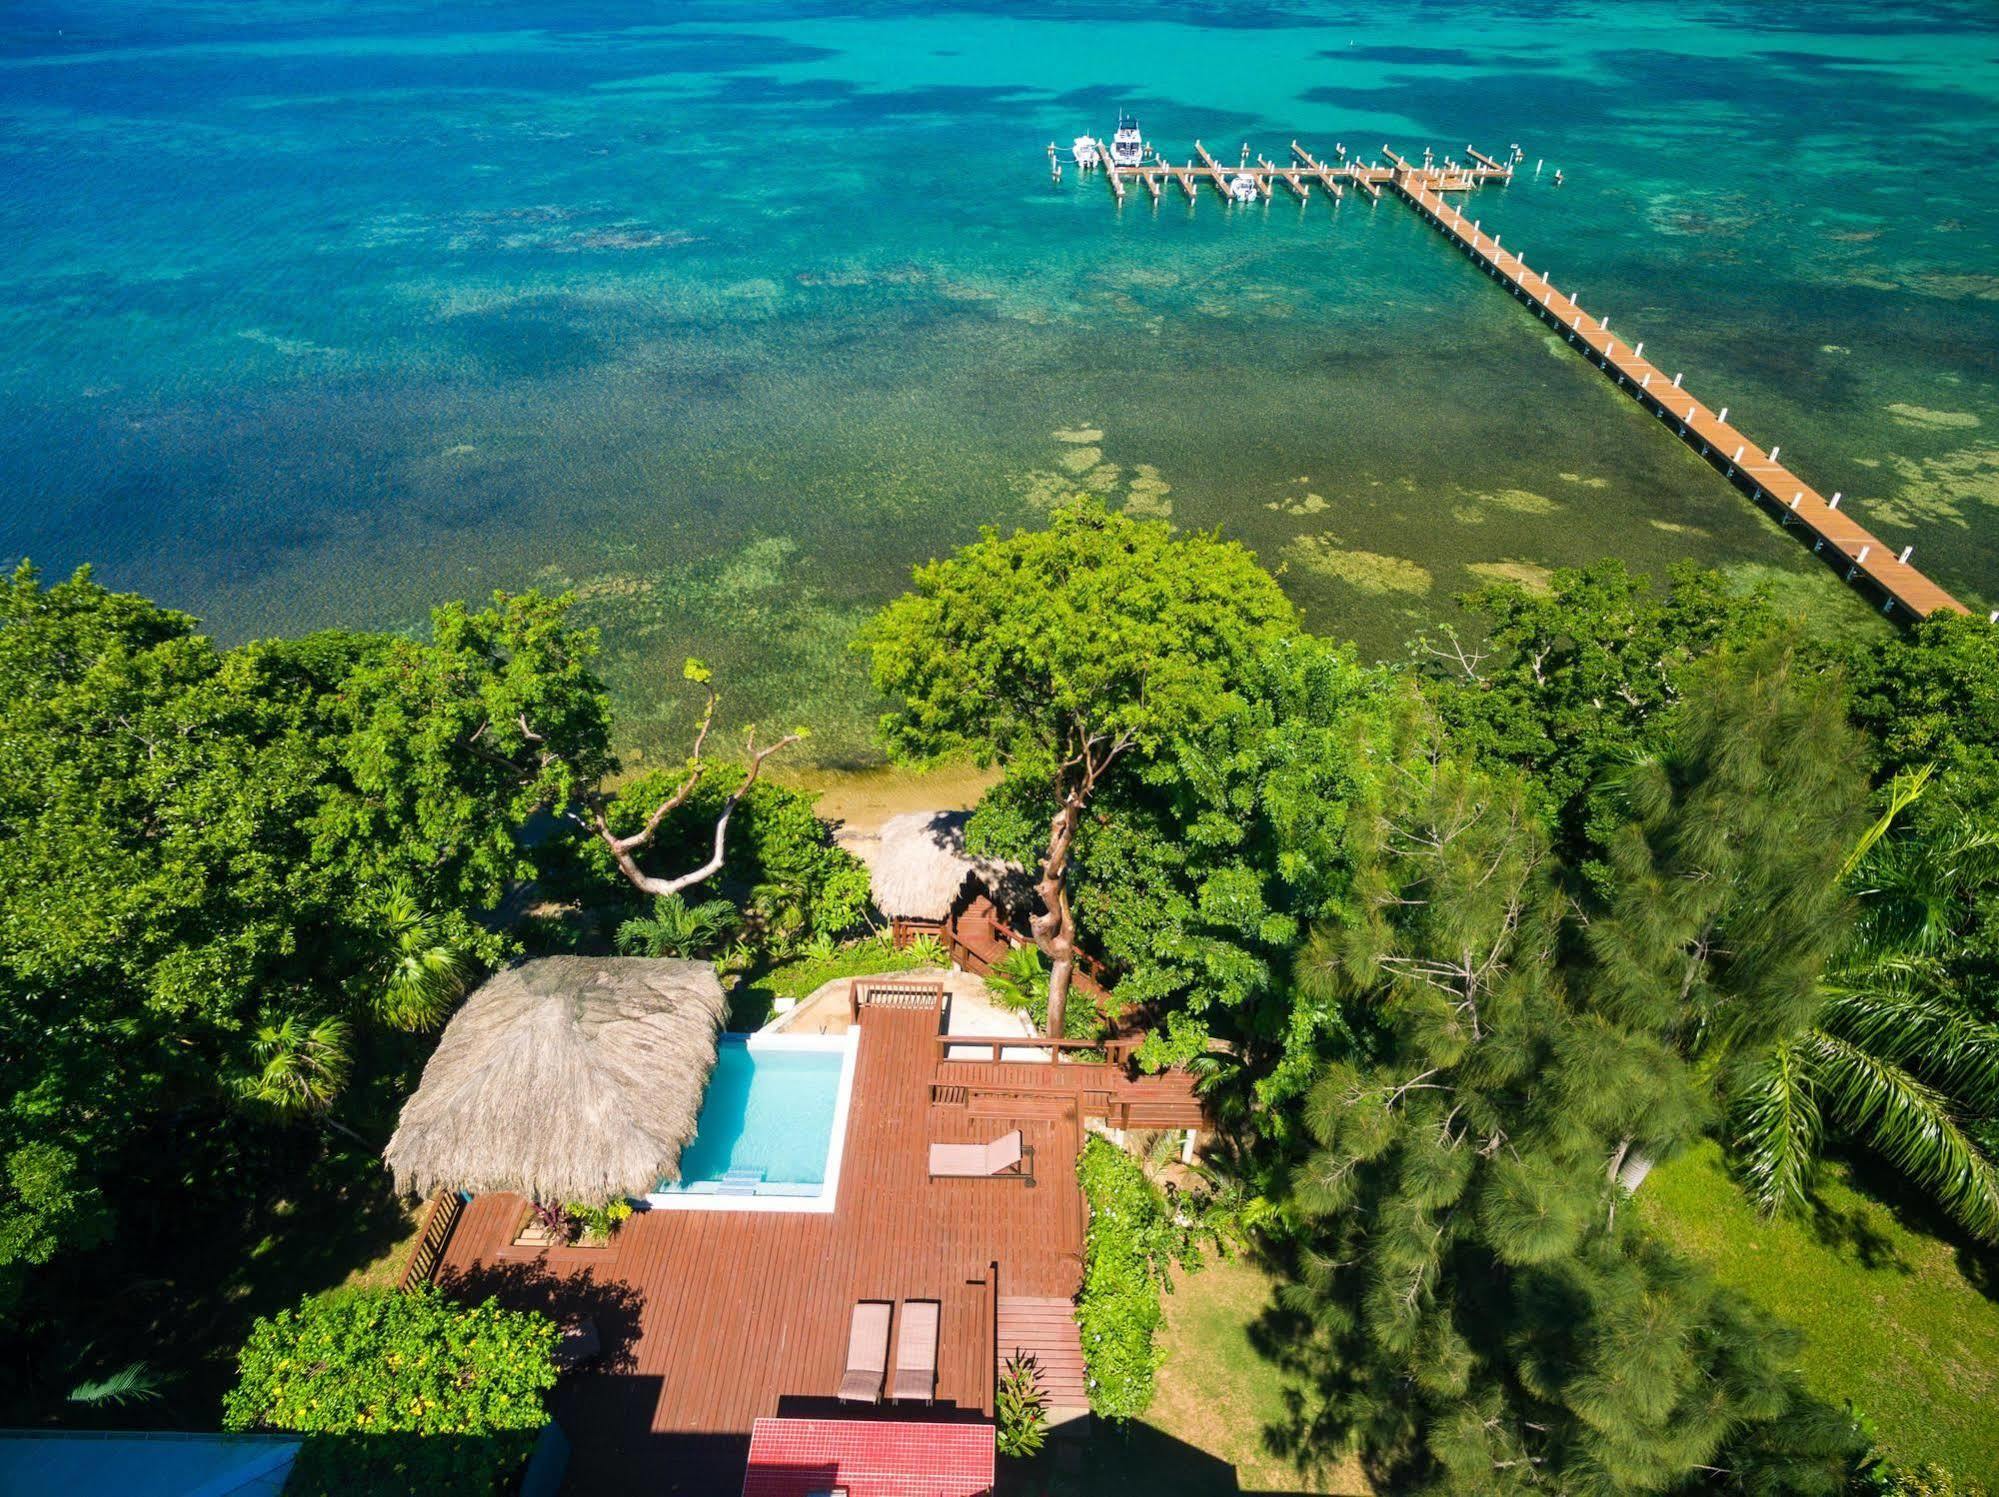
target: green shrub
1021 1408
1126 1250
448 1396
598 1221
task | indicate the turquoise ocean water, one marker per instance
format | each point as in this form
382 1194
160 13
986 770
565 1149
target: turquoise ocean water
723 315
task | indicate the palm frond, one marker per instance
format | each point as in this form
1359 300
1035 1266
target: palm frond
1948 1048
1903 792
1775 1128
301 1066
1910 1124
421 972
133 1383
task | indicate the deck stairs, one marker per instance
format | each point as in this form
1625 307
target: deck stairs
1045 1329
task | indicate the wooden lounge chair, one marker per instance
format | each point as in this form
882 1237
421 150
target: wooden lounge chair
1006 1157
916 1351
867 1353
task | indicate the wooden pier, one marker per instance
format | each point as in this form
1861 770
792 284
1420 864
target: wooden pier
1861 555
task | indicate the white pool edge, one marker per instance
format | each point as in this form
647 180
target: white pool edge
847 1046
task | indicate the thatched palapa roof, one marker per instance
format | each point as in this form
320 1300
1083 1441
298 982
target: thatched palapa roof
568 1078
919 866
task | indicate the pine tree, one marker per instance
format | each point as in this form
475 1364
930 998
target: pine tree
1489 1319
1792 954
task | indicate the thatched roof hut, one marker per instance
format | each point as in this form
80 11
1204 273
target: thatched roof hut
568 1078
919 865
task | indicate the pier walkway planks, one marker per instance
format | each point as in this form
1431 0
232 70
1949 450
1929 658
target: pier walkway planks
1864 553
1863 556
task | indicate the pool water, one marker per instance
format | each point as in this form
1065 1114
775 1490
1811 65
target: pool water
766 1109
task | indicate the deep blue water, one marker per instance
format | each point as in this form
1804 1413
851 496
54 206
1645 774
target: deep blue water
315 311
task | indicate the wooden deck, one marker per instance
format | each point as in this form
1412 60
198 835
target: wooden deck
714 1318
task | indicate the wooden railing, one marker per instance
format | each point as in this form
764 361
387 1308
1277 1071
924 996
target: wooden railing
920 996
993 1044
439 1219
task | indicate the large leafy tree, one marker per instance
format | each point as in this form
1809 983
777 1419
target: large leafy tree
1564 682
222 867
1487 1319
1061 655
1198 872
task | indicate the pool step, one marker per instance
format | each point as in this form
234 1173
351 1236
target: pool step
740 1182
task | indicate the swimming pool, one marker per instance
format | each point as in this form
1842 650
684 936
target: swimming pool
772 1125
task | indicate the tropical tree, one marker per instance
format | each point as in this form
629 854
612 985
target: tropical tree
1059 655
1728 903
1485 1319
419 971
225 868
1198 872
1892 1060
1565 681
675 928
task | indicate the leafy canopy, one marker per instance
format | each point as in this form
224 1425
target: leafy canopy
468 1379
225 867
1017 649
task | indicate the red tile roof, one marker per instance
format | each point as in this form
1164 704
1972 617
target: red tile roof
869 1458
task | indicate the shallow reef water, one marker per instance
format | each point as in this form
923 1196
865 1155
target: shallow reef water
724 315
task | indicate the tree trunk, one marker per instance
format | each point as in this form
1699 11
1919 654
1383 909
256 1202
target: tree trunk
1636 1168
1629 1167
1054 924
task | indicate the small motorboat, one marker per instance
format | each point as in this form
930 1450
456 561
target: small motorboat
1243 188
1127 145
1086 151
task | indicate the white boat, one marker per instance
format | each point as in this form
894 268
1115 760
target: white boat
1243 188
1127 145
1086 151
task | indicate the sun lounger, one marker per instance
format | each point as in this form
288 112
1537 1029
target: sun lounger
867 1353
1005 1158
916 1351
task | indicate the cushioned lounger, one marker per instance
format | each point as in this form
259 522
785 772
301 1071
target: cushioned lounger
867 1353
1005 1156
916 1351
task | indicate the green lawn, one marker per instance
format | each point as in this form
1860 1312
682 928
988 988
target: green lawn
1203 1435
1890 1305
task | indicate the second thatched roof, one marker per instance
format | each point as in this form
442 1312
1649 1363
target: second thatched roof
567 1078
919 865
